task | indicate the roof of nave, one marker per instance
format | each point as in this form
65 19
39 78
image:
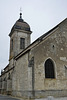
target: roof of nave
6 71
6 67
41 38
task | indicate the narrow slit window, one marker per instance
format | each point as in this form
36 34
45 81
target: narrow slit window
12 44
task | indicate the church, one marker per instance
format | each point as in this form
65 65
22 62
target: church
37 69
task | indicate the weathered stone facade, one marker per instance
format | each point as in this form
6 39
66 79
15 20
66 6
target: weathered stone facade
39 70
6 80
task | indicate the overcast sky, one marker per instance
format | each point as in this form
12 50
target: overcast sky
41 15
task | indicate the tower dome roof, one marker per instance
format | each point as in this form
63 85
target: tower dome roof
20 25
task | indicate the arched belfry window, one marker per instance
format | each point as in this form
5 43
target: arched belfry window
49 69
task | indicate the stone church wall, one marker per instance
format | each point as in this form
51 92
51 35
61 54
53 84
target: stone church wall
54 46
6 82
20 77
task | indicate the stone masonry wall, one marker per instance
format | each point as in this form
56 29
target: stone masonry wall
20 76
54 47
16 42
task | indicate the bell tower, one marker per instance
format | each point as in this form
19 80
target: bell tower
19 37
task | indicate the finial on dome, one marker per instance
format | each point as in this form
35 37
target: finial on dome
20 13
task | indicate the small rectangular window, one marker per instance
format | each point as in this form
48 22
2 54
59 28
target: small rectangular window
22 43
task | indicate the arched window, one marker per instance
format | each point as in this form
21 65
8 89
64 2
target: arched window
49 69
